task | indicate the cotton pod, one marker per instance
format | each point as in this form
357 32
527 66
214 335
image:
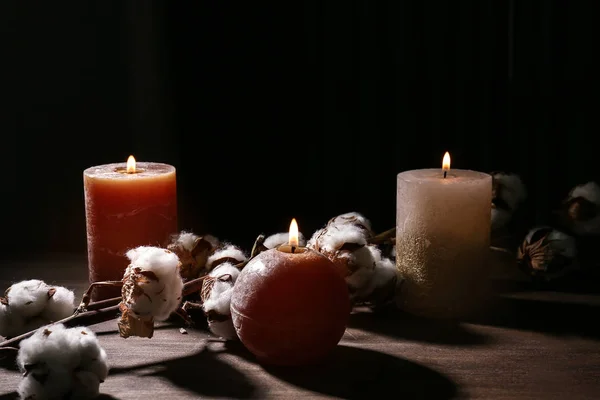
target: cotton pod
60 363
226 252
152 290
193 252
344 240
508 193
280 238
580 211
384 284
216 294
29 304
547 253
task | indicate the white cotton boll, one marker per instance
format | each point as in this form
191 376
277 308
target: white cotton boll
278 239
332 238
57 361
227 253
384 281
584 209
512 190
353 218
217 300
155 271
32 303
186 240
589 191
60 305
362 265
28 298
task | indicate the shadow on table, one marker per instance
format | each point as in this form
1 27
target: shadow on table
395 323
544 313
9 396
202 373
355 373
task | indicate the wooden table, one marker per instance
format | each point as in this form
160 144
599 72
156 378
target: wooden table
533 344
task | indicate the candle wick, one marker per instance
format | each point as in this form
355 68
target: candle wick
293 249
445 172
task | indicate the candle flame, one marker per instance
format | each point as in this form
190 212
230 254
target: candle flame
293 240
131 165
446 162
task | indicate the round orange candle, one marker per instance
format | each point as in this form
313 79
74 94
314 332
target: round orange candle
126 205
289 305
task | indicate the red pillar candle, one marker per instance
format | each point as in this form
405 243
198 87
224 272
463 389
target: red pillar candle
289 305
127 205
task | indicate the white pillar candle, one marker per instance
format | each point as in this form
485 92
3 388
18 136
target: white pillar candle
442 240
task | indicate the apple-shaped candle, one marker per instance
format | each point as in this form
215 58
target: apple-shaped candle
289 305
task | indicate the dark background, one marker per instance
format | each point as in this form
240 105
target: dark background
274 110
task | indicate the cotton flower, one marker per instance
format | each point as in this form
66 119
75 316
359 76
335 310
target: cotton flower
59 363
508 193
547 253
227 252
344 240
193 252
580 211
152 289
29 304
278 239
216 299
384 284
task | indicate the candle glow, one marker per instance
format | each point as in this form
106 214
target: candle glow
293 238
446 162
131 165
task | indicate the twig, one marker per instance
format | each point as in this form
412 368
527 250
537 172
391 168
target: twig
384 237
105 310
97 312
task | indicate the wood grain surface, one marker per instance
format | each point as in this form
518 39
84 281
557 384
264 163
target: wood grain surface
532 343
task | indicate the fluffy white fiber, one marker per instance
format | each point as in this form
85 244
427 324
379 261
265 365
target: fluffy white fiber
561 242
280 238
344 240
33 303
513 190
384 282
591 192
352 218
58 363
155 271
226 253
217 304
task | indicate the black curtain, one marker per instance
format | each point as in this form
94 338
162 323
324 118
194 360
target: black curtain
274 110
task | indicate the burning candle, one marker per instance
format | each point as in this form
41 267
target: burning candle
289 305
442 239
127 205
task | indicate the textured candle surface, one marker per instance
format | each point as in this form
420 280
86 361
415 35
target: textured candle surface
442 240
123 211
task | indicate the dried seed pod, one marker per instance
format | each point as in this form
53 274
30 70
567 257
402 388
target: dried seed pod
152 290
193 252
508 193
580 211
216 294
547 253
29 304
